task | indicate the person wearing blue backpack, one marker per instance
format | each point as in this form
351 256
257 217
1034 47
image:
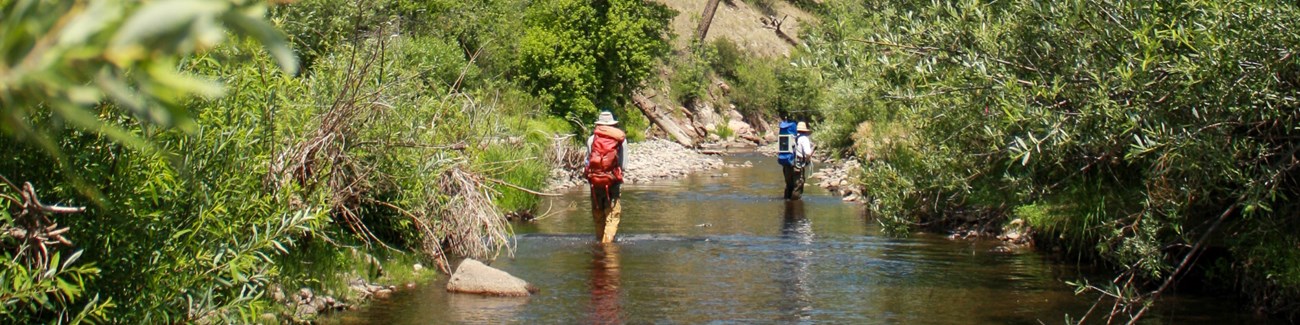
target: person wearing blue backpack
794 152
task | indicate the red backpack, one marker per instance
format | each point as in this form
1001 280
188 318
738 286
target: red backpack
603 166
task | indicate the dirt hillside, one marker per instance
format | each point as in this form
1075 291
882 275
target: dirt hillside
740 21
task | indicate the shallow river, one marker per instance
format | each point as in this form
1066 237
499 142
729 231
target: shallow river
723 247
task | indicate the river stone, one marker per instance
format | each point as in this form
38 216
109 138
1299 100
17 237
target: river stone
305 311
304 295
739 127
474 277
277 294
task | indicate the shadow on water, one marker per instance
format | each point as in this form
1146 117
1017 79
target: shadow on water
726 249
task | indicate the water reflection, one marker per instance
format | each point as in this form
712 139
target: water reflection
796 229
795 223
477 309
606 303
759 262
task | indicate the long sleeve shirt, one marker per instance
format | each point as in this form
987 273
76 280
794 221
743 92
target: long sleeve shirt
803 148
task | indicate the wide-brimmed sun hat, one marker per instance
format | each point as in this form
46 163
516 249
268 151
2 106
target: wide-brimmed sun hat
802 127
606 118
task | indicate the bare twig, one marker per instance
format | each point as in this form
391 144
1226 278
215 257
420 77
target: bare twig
408 144
424 228
517 187
471 223
37 235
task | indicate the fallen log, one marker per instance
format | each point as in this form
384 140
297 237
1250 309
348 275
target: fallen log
772 23
752 138
648 108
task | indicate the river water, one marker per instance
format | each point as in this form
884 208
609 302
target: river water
723 247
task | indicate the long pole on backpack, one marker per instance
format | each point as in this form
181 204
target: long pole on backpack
806 169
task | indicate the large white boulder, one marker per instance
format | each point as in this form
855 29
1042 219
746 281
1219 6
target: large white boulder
474 277
739 127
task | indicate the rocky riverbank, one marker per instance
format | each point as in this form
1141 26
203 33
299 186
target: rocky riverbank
837 177
306 306
647 161
834 175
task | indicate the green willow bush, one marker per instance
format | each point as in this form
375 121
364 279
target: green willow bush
87 86
690 79
488 30
769 88
200 189
728 58
1138 131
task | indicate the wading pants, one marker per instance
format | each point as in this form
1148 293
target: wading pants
605 212
793 182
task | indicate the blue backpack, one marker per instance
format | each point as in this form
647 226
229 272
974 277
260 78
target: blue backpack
785 142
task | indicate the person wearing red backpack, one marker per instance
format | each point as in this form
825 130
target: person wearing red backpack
605 174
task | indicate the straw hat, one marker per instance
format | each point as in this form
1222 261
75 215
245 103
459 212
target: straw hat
802 127
606 118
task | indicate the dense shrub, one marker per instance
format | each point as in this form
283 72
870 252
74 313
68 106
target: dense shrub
728 58
1125 128
196 204
487 31
756 90
769 88
579 56
93 110
690 75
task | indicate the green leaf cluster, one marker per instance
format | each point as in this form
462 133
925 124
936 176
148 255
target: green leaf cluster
581 56
193 215
59 59
1122 128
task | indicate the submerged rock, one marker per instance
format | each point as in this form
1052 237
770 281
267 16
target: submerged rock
474 277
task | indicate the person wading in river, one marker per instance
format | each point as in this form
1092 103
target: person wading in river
800 155
605 174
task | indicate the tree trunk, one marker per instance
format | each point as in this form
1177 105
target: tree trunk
648 108
706 19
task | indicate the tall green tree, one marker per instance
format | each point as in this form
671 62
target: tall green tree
579 56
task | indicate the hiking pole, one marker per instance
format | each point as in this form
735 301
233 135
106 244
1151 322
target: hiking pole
807 168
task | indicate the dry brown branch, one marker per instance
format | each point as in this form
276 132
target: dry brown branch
770 22
37 235
407 144
327 149
423 227
649 109
521 188
550 211
471 224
